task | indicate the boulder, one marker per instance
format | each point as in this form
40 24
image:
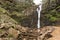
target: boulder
13 32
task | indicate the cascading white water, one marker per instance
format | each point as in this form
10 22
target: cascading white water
39 13
39 3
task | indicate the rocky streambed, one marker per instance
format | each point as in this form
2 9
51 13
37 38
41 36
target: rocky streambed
17 32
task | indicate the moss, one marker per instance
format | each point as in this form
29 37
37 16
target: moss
53 19
9 35
2 10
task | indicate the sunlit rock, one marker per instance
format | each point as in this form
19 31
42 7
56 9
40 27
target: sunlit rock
13 32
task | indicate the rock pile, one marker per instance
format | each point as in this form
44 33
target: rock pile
23 33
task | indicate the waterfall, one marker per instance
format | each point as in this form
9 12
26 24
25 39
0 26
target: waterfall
39 3
39 13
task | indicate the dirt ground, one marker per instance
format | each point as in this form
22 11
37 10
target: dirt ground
55 34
